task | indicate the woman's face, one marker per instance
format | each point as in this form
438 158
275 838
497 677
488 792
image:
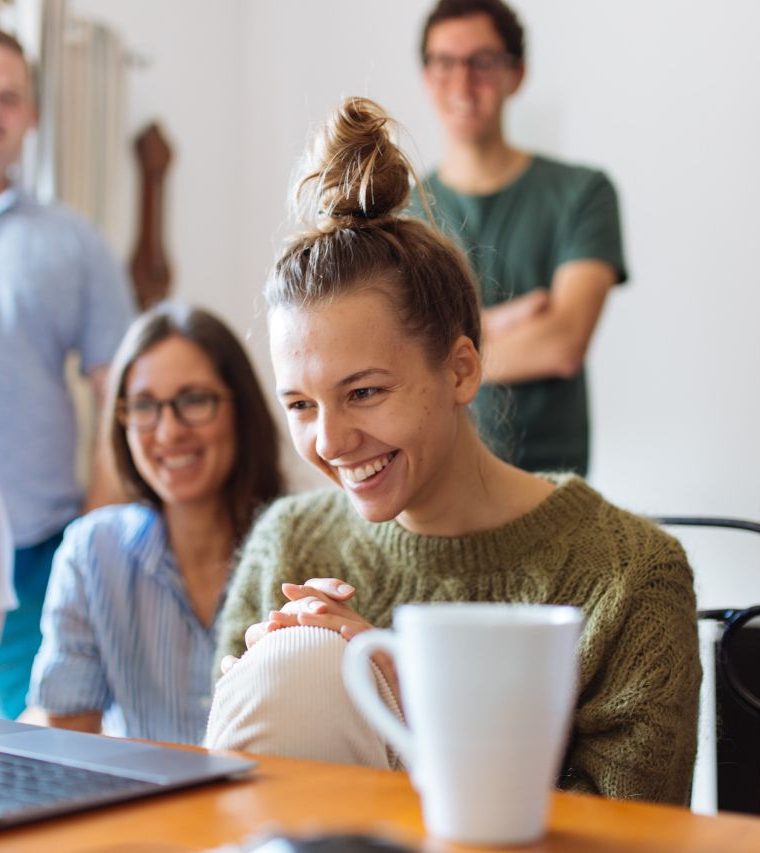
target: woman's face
363 403
184 464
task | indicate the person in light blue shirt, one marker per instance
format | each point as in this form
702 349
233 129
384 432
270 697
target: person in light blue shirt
116 615
129 619
61 292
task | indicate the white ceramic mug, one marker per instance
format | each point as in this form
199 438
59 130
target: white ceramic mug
488 691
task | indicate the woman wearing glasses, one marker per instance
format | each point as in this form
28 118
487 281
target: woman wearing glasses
130 615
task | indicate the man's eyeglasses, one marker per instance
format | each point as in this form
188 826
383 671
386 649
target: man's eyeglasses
483 64
194 407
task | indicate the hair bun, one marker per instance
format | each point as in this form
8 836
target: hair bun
356 171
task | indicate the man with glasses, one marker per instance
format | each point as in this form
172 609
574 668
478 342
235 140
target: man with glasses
61 291
542 236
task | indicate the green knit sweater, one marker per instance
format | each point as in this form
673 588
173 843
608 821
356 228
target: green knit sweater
634 732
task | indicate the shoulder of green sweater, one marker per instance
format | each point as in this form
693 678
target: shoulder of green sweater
636 537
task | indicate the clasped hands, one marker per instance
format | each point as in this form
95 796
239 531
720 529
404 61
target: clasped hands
320 602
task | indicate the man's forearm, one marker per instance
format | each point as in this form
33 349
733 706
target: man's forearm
549 342
542 347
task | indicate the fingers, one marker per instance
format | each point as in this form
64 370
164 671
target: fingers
280 619
227 662
347 628
254 633
310 604
334 588
498 318
541 300
306 599
350 629
310 611
538 298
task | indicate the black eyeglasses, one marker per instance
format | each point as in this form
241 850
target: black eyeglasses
194 407
483 64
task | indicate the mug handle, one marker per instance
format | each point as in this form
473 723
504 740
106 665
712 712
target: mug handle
361 687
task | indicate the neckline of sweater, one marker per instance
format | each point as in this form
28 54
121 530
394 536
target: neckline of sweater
558 514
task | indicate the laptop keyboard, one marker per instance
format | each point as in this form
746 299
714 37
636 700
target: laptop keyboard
31 785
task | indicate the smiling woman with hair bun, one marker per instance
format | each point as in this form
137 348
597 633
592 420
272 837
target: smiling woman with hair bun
375 339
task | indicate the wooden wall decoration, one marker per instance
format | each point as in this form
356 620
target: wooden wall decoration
151 274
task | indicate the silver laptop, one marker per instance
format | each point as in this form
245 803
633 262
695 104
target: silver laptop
46 772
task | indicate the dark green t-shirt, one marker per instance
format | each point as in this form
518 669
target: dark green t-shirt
515 239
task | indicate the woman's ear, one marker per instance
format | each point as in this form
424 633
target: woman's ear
466 369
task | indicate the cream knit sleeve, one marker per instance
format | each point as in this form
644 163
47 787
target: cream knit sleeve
635 727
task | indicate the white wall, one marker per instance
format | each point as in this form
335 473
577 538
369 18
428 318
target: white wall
660 93
192 76
191 85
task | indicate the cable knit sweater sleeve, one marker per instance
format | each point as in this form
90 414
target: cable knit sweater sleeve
635 726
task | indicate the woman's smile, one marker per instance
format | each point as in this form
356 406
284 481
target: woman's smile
367 474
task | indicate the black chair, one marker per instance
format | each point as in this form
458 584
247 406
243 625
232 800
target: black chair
737 688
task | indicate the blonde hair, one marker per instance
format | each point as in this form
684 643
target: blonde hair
353 195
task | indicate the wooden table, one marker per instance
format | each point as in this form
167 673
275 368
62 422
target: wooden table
302 796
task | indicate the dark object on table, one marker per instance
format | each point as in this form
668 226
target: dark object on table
329 844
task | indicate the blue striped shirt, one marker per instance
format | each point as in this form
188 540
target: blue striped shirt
119 634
